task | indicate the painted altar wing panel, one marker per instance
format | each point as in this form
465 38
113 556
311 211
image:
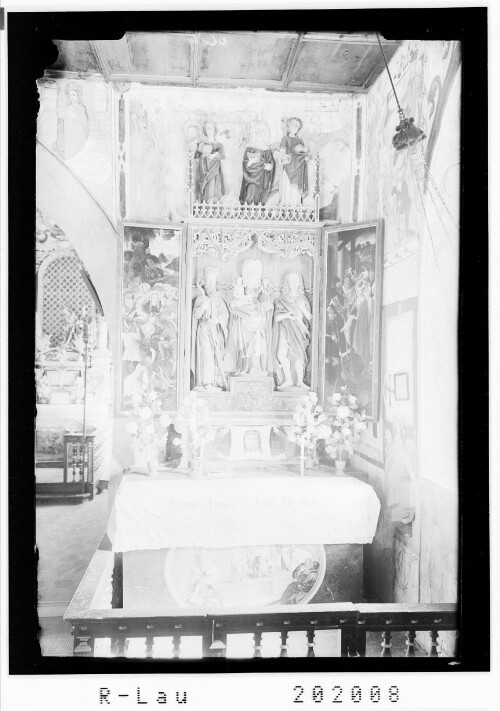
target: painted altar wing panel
150 303
353 277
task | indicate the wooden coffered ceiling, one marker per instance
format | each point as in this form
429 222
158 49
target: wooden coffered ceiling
283 61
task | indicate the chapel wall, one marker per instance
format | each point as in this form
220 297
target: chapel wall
411 457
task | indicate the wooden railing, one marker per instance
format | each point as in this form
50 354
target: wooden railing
353 620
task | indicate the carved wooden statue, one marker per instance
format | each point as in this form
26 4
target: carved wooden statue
292 332
210 330
251 323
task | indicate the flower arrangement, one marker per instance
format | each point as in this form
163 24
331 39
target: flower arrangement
149 428
347 424
310 425
194 419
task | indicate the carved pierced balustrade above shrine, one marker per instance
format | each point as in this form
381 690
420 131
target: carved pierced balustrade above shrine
226 242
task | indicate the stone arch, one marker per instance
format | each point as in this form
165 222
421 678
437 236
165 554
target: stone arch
91 232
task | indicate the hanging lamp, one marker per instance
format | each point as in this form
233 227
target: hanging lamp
407 134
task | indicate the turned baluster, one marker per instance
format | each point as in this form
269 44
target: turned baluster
83 644
121 641
410 643
310 643
434 634
73 462
218 648
150 640
176 643
386 644
284 645
360 642
257 639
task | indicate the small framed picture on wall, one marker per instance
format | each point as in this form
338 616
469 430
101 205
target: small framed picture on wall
401 386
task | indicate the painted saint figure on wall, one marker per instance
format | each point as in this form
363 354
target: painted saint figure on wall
292 334
210 186
72 124
294 159
258 167
210 330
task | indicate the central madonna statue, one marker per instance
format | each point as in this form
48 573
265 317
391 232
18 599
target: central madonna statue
251 323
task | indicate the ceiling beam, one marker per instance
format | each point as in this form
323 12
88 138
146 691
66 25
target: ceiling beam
194 57
375 72
240 83
100 61
291 62
326 88
213 83
71 74
336 38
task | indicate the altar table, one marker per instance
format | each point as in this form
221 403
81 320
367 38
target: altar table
175 511
240 540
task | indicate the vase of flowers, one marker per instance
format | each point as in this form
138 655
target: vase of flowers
347 423
149 429
310 425
196 431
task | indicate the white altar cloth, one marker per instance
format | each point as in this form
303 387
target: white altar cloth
152 513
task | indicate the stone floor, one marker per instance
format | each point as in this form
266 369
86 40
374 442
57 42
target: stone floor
67 536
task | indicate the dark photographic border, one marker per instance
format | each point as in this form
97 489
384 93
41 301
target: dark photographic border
30 50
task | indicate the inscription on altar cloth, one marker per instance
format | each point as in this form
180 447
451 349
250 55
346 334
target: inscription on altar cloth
260 502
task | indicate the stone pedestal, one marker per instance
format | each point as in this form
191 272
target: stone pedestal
258 386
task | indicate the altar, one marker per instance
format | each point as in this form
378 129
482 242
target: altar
242 540
228 321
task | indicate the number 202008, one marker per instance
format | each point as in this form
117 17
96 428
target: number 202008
339 694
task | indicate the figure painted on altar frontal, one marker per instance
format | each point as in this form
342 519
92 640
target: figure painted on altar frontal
304 578
291 332
294 157
210 186
258 167
210 330
250 333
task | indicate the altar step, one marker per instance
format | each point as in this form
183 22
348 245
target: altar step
41 497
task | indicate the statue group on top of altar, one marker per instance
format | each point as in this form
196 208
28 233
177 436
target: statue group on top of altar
252 335
272 173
